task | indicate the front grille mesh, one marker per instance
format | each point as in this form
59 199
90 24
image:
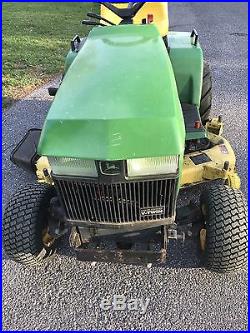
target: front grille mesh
117 203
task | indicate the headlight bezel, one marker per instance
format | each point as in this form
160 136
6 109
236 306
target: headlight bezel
73 171
92 168
152 175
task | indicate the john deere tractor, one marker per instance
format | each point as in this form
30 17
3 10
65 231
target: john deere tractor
128 129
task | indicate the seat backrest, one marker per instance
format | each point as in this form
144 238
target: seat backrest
159 10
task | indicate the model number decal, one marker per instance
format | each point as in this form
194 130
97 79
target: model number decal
223 149
152 211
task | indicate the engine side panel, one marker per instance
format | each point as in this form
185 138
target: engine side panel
187 62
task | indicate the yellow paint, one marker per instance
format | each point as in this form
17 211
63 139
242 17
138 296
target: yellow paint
233 180
42 164
158 9
220 153
215 126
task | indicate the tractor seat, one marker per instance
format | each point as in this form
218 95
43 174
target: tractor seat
157 11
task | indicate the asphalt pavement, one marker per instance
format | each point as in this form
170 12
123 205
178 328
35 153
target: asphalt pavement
65 294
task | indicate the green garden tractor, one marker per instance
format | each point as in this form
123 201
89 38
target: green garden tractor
128 129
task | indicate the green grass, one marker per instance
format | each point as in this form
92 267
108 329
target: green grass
36 39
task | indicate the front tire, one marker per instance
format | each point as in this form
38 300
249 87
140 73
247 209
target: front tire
206 94
225 214
25 225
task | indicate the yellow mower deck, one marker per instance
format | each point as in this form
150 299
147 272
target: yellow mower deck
217 162
220 164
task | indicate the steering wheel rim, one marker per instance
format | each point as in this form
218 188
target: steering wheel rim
125 13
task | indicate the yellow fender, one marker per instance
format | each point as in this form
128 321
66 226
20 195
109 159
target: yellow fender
220 153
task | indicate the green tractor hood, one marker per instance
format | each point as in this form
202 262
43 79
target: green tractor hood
118 100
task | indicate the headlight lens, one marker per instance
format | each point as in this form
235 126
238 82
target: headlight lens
67 166
152 166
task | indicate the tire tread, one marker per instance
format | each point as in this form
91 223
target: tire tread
226 224
22 223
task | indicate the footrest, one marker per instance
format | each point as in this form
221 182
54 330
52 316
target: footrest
193 124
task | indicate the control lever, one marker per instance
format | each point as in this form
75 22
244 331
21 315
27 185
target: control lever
52 91
194 37
88 22
98 17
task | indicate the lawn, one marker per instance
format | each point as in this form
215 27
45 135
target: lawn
36 38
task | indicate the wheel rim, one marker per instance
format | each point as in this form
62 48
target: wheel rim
47 239
203 231
203 239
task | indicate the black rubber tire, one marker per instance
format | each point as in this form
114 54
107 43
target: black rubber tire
206 94
225 213
23 223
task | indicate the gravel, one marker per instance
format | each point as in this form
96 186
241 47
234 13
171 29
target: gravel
65 294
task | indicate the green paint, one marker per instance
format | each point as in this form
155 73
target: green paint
72 55
195 135
69 59
187 62
118 100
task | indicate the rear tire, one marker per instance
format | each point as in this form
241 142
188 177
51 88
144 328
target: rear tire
206 94
25 225
225 213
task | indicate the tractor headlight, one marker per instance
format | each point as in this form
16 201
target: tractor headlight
67 166
152 166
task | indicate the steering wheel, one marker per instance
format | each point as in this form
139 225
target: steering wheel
125 13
